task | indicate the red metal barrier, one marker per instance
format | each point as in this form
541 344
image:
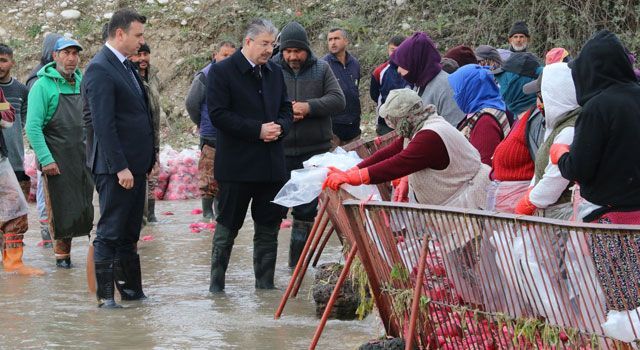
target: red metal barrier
332 211
460 279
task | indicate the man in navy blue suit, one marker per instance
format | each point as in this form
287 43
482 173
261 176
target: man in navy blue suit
248 104
123 153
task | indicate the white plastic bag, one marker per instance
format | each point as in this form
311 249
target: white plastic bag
622 325
303 187
306 184
547 294
12 201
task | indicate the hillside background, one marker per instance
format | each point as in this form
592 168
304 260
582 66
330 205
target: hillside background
182 33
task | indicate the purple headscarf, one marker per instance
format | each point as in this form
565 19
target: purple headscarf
419 56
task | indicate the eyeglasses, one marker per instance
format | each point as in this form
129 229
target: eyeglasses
265 44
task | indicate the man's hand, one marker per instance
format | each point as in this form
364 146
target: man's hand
300 110
125 178
51 169
270 132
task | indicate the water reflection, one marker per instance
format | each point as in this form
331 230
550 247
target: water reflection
56 311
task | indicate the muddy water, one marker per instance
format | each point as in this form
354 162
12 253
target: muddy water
56 311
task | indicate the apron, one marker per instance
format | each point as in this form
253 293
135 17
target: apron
69 194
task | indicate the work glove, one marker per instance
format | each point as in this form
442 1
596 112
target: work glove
401 193
354 177
556 152
524 206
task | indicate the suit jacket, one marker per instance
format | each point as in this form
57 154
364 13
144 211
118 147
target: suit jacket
239 104
122 124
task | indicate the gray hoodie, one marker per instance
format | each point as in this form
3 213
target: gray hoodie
314 84
47 56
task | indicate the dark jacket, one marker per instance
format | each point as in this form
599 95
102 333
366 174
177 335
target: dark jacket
315 84
238 105
534 131
384 79
120 117
349 79
604 156
196 103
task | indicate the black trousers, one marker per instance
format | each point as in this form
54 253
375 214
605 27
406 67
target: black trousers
120 221
234 199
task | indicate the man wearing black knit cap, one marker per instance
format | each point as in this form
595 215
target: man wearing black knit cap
519 37
316 95
151 82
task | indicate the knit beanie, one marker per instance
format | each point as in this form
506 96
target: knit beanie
519 27
463 55
294 36
144 48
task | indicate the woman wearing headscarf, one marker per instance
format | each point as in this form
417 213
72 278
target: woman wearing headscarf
550 191
443 168
603 158
477 95
418 61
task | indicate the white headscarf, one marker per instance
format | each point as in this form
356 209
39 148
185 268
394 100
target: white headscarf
558 94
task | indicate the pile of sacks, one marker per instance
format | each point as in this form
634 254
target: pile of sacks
178 177
31 171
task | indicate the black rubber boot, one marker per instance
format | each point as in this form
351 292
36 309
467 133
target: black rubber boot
207 208
299 233
128 278
104 284
151 210
64 263
265 250
223 239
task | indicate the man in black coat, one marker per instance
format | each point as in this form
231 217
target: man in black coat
123 153
248 104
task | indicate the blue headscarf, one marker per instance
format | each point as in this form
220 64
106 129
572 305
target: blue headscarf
511 90
474 89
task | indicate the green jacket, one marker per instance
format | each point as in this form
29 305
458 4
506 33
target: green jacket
43 102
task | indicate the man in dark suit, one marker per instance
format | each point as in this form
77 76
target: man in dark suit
248 104
123 153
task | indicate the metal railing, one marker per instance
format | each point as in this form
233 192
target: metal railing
331 219
454 278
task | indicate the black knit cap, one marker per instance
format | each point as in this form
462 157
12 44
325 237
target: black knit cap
519 27
294 36
144 48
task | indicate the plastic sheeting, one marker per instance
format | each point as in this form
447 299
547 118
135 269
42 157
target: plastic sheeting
306 183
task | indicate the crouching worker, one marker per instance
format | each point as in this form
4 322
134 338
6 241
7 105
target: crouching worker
443 168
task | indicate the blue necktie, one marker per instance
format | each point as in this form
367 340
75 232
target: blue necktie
129 67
